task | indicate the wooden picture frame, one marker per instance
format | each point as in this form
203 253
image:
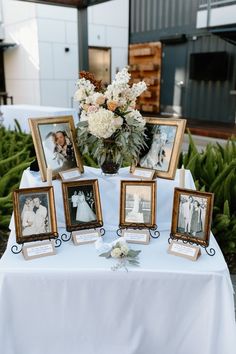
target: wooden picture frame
138 204
164 140
84 210
34 214
192 215
54 140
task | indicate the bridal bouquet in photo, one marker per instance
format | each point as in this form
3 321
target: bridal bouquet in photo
120 251
111 130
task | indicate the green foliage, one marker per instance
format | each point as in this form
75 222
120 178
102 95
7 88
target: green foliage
214 170
122 147
16 154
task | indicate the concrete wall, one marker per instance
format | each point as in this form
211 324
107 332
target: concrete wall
43 68
21 62
109 27
57 30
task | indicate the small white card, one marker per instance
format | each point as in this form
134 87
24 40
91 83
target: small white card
136 236
143 173
70 175
178 248
82 237
39 249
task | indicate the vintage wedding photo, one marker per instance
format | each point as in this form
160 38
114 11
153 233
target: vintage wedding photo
82 204
54 144
34 214
164 138
193 216
137 203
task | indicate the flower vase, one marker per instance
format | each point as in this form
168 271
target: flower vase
109 167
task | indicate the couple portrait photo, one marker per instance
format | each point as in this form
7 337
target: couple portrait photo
192 215
34 214
82 204
55 147
58 147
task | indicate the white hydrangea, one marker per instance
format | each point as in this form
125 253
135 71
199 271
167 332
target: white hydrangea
102 123
116 252
135 115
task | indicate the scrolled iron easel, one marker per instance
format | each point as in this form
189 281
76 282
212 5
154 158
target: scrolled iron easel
153 232
189 240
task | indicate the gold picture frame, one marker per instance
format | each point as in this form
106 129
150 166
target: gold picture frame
192 215
82 204
34 214
54 141
138 204
164 140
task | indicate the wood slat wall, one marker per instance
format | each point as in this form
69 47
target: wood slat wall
145 64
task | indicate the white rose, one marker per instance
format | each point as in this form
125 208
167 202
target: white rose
80 94
124 250
118 121
83 116
135 114
116 252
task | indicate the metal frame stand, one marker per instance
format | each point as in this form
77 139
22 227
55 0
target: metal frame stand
18 247
65 237
153 232
189 240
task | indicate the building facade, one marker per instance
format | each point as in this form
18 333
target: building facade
187 27
42 67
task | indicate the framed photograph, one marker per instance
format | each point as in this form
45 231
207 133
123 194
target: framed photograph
82 204
54 141
138 203
34 213
164 140
192 214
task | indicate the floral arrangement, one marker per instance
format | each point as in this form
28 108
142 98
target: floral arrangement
110 128
123 253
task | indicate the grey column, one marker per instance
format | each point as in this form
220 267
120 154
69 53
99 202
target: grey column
83 39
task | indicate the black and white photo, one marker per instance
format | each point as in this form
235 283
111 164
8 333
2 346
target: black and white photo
34 213
54 141
82 204
192 212
137 203
161 153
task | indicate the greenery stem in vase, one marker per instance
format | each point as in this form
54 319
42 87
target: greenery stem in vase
111 130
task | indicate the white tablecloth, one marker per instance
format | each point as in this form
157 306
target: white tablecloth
73 303
23 112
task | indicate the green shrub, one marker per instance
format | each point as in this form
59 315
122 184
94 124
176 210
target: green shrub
16 154
214 170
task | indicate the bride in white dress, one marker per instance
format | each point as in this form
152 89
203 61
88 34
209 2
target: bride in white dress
28 218
134 215
84 213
